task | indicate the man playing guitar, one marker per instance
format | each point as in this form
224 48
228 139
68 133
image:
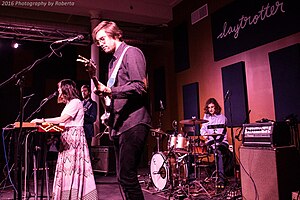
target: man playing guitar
129 120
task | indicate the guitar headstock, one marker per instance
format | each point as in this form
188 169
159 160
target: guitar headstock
89 64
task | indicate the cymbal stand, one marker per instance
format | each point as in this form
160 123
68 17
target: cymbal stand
157 136
200 185
181 185
216 157
157 142
196 182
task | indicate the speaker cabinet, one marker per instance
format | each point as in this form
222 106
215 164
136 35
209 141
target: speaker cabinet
103 159
269 173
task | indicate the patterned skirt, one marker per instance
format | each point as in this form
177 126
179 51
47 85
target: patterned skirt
74 177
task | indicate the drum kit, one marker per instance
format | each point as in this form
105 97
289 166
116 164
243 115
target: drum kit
169 170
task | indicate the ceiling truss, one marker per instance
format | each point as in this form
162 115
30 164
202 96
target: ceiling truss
21 32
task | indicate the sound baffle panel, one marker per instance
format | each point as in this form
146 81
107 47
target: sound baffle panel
285 71
269 173
103 159
181 47
191 102
234 81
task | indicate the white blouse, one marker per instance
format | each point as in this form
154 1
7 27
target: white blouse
74 108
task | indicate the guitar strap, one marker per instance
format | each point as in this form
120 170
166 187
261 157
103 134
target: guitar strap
112 79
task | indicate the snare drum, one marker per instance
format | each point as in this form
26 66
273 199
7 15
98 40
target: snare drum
181 144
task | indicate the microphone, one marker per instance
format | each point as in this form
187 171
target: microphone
51 96
227 95
78 37
45 100
161 105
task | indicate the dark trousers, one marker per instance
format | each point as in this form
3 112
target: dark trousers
128 150
224 159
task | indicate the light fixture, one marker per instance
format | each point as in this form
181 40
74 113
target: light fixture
15 44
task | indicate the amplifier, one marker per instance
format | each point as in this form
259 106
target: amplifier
103 159
268 134
269 173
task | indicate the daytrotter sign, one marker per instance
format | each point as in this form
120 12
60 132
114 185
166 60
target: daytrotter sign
243 25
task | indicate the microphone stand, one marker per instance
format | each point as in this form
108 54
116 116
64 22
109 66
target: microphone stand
43 102
233 144
20 77
159 125
160 115
17 154
18 117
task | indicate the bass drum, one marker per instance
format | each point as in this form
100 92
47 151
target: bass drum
159 170
171 169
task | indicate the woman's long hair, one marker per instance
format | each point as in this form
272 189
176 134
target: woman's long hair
218 108
68 89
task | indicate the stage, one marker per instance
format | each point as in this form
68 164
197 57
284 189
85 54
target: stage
108 188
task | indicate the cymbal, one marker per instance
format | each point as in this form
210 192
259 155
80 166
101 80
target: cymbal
216 126
183 151
193 121
157 130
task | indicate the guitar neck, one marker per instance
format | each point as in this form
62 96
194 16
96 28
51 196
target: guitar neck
95 81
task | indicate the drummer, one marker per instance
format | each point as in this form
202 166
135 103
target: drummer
213 114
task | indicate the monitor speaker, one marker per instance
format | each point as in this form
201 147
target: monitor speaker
269 173
103 159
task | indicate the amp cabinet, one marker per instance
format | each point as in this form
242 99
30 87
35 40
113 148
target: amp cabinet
269 173
103 159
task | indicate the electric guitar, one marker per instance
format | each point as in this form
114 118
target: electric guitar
91 68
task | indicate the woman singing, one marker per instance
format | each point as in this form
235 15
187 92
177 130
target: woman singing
74 177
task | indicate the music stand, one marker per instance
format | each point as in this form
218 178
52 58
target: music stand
216 157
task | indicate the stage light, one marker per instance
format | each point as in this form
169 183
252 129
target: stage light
15 44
